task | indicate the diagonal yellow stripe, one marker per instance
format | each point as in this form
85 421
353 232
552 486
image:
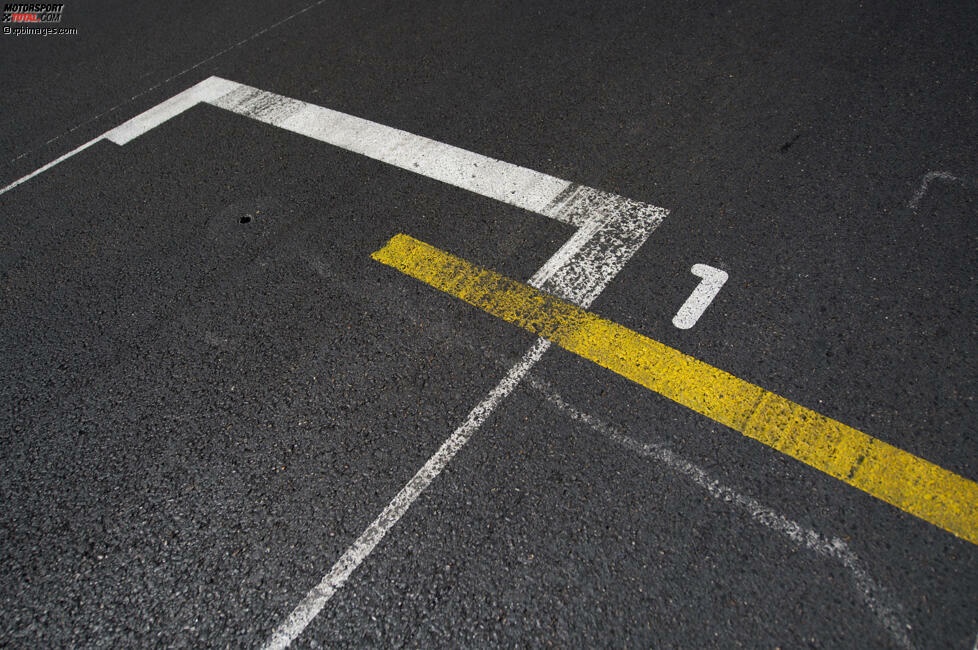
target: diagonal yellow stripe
908 482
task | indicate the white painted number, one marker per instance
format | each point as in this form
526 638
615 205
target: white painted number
702 296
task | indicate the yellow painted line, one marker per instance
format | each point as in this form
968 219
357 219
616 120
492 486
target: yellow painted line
908 482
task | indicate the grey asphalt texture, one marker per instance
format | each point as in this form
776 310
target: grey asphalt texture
209 389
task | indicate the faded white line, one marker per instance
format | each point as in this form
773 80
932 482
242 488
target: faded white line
925 182
877 598
712 281
174 76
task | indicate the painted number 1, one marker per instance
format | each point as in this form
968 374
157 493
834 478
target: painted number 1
704 293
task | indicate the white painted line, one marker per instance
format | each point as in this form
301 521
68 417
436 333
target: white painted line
616 226
704 293
611 229
207 90
877 598
51 164
480 174
317 597
925 183
612 226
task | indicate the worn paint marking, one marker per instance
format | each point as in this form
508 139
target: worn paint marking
908 482
880 601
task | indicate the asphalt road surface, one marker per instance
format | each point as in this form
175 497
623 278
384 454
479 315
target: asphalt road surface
224 422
